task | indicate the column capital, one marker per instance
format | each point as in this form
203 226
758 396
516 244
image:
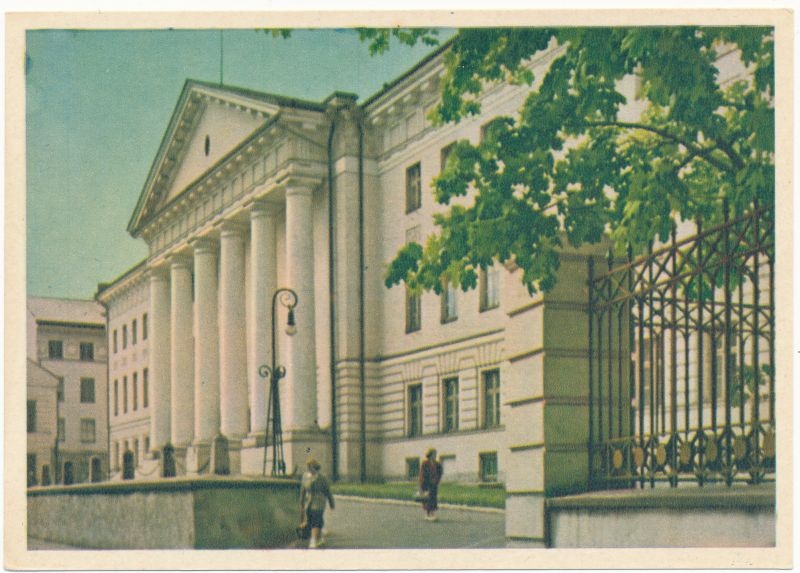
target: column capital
229 228
204 244
297 188
263 209
179 260
158 273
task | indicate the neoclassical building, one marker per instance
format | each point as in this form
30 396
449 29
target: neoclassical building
250 192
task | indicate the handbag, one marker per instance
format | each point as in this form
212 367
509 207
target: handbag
303 530
421 495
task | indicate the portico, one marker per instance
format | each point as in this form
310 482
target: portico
219 248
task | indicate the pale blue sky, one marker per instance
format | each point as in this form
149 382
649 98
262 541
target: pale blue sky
98 103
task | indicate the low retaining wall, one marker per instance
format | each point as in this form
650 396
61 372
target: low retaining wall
180 513
711 516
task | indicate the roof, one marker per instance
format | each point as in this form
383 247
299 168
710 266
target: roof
265 97
64 310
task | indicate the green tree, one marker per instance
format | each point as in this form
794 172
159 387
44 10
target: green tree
570 164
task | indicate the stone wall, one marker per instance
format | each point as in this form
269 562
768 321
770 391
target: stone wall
711 516
199 513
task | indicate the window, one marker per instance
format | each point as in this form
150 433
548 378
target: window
87 351
31 415
146 444
31 469
116 455
491 398
135 391
412 469
450 391
489 287
144 326
133 332
87 390
87 431
125 395
115 341
413 311
488 466
207 145
55 349
413 188
444 154
62 430
449 299
415 410
144 388
116 397
489 127
60 390
124 336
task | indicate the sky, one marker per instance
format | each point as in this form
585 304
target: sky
98 103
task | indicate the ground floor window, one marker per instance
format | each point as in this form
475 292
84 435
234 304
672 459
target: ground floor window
412 468
31 469
488 466
415 410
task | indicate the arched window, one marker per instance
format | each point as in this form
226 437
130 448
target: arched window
208 145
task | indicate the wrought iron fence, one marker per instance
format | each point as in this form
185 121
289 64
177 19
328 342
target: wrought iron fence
681 359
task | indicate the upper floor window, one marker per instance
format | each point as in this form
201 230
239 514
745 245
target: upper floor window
413 311
450 391
144 326
60 390
135 391
55 349
145 389
87 390
124 394
444 154
124 336
115 341
413 188
489 287
415 410
491 398
31 415
62 430
449 302
133 332
87 351
116 397
87 430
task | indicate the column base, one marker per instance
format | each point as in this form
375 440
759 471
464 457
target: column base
180 460
299 445
198 458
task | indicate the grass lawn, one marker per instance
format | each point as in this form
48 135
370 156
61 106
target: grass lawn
461 494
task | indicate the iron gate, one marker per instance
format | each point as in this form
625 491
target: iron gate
681 359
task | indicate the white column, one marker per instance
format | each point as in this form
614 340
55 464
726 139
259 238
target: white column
262 286
232 336
182 371
206 342
301 383
159 359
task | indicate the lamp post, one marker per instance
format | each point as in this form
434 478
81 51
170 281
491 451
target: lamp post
288 298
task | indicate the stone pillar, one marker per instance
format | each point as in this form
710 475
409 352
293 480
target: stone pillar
301 380
159 360
262 287
232 336
206 345
182 370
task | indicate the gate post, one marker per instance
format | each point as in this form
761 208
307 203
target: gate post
547 348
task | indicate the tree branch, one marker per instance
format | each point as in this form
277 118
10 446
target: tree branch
693 148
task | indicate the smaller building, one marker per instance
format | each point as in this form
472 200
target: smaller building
41 423
67 389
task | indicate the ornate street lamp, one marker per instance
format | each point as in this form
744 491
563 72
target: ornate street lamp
274 373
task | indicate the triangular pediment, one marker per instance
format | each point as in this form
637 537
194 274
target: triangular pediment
209 122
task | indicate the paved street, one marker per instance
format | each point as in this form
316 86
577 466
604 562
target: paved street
357 524
377 524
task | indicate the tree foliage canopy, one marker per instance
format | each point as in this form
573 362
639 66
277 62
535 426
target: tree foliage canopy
574 162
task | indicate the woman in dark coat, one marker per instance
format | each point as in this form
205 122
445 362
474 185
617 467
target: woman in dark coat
430 474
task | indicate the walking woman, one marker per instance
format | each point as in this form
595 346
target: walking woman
314 492
430 474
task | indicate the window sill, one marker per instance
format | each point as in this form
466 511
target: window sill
488 308
449 320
